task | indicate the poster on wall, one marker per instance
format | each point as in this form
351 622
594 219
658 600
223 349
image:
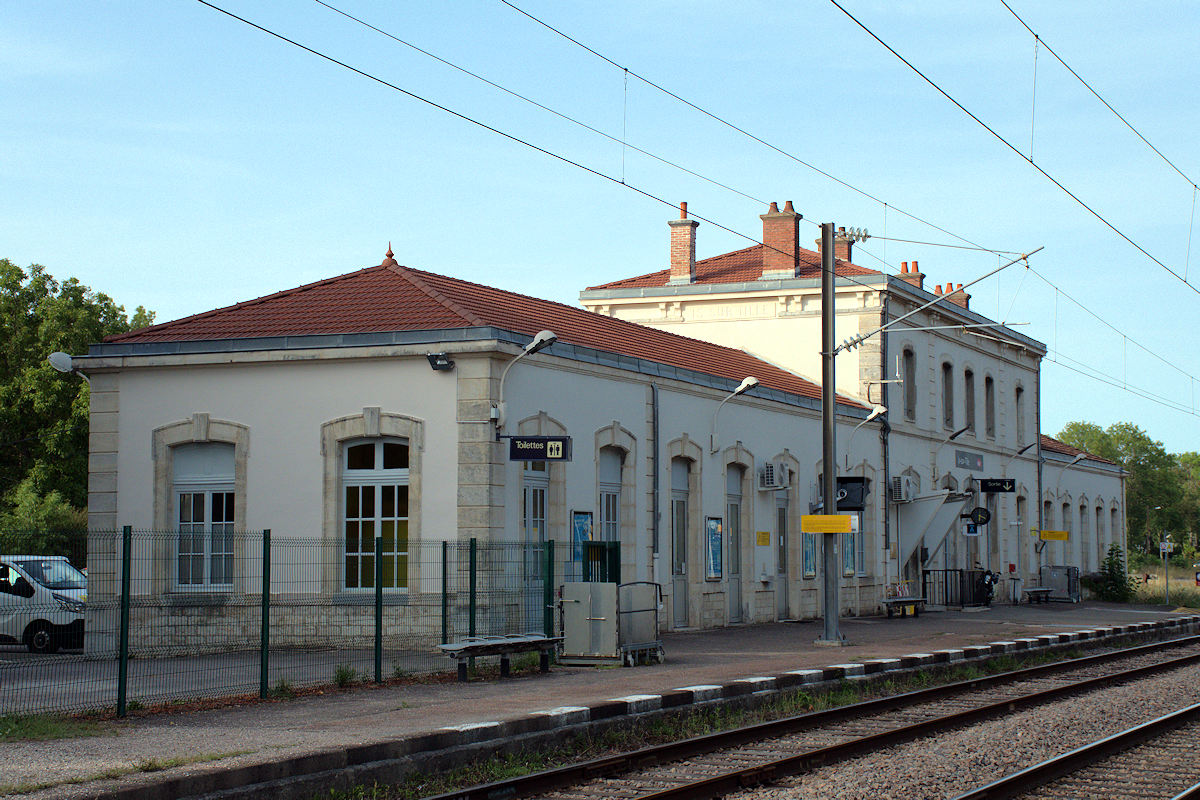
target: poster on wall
581 531
712 550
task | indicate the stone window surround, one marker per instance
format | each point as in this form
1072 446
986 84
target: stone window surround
688 450
620 438
201 428
371 423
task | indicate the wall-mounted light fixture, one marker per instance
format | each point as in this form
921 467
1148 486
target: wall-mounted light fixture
540 342
875 412
746 385
64 363
440 362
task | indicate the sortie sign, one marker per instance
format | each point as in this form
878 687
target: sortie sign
539 448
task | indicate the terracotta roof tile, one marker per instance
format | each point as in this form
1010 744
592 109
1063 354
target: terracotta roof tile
396 298
740 266
1062 448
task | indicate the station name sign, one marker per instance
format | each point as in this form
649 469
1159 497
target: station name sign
539 448
965 459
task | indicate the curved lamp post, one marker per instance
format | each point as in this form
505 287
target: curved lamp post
746 385
540 342
941 444
875 412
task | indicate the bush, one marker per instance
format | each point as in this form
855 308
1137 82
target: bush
1112 583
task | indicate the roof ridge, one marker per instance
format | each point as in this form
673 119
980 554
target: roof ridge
412 277
243 304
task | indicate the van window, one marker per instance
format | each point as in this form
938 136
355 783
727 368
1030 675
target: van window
53 573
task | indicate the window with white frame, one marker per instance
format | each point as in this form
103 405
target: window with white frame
680 511
734 475
535 483
375 504
203 491
609 480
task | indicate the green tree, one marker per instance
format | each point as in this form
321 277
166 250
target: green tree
43 413
1155 493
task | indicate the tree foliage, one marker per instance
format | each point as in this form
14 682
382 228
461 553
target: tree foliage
44 413
1162 491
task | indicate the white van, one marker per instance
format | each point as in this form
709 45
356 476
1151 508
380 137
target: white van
42 600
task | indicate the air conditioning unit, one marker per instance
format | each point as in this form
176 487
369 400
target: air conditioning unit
772 477
904 489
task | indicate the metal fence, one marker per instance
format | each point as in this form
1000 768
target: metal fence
953 587
173 617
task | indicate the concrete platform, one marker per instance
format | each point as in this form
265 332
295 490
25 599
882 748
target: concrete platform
352 730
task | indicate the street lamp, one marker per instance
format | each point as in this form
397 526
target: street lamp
746 385
64 363
540 342
875 412
1013 457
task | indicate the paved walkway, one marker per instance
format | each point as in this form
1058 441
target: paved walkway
264 733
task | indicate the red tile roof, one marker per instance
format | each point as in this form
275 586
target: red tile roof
1062 448
391 297
740 266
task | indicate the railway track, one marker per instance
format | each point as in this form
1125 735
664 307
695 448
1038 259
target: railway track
1153 759
725 763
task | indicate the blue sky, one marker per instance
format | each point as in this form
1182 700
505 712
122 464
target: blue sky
173 157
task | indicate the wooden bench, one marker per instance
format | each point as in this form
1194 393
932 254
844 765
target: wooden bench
503 646
891 604
1037 594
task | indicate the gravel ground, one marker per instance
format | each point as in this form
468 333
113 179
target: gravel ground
948 765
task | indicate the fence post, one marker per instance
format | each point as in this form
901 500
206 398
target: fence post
379 609
473 562
264 657
123 645
548 591
445 592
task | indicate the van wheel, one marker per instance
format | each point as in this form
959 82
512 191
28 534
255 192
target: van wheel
39 639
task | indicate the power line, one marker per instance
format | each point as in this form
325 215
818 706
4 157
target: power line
1009 145
622 140
1088 86
644 193
717 118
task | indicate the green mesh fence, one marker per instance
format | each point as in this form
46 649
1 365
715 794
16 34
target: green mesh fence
174 617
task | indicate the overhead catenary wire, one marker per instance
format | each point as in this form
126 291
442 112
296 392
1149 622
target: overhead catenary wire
1096 94
1010 146
518 140
739 129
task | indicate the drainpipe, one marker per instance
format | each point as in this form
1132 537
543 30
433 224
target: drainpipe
654 470
1041 502
884 430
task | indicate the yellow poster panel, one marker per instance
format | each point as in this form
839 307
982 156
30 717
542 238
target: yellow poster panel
825 523
1055 536
764 538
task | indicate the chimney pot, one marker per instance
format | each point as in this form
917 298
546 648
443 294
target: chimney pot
787 206
683 210
774 209
904 266
914 267
958 288
937 288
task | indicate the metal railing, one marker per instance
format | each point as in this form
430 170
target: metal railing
175 618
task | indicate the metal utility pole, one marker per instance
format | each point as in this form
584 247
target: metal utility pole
829 560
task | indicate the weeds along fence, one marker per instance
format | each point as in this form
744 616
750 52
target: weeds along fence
174 617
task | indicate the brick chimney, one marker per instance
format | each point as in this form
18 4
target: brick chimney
958 296
842 245
781 235
913 277
683 247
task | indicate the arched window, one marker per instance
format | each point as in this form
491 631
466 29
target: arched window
969 399
1019 413
535 483
1084 552
680 468
948 395
989 407
203 492
909 377
609 479
374 478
